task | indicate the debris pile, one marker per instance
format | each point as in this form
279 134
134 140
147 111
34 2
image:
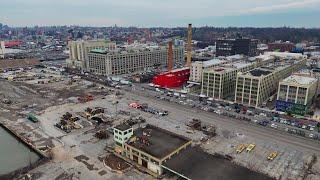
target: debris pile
116 163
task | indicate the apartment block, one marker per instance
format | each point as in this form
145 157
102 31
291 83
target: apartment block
254 87
295 94
129 60
79 50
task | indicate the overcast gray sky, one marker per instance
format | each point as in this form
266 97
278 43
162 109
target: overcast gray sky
146 13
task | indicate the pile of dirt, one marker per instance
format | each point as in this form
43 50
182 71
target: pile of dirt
116 163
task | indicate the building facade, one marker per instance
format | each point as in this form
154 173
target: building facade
199 66
220 82
78 57
295 94
254 87
104 62
228 47
281 46
121 134
2 49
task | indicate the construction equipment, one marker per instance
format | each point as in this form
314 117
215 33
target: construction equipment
272 155
189 46
250 147
240 148
209 131
195 124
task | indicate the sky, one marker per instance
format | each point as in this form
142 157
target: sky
164 13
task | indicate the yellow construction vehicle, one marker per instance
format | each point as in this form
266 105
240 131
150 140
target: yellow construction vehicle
240 148
272 155
250 147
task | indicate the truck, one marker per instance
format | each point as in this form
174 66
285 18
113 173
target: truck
32 117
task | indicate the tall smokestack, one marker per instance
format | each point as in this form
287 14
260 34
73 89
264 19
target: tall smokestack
170 56
189 46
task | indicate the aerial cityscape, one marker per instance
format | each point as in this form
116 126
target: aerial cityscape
172 90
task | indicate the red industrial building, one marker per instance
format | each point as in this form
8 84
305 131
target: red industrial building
9 44
172 79
177 77
281 46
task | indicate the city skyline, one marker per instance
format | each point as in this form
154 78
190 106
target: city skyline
152 13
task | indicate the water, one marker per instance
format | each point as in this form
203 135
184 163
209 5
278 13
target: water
14 154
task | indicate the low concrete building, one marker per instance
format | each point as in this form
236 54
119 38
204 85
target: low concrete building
295 94
151 146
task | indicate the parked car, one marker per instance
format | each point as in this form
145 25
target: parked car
273 125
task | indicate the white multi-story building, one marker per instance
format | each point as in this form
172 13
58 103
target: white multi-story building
131 59
78 57
2 49
295 93
198 67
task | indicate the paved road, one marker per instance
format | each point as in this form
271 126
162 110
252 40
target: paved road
249 129
265 134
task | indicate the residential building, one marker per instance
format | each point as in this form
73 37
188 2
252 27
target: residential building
78 57
129 60
228 47
254 87
295 94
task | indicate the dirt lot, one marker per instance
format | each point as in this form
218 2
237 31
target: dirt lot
77 155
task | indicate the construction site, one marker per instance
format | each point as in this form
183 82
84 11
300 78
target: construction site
71 121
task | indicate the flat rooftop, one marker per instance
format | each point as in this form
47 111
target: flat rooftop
122 127
213 62
259 72
162 142
195 164
300 80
